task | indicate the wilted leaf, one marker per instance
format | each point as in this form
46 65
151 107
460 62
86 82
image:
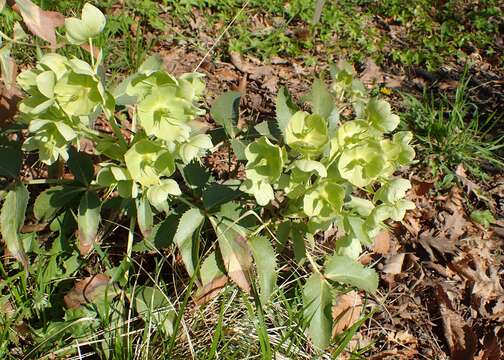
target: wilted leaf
144 215
92 289
40 22
265 260
12 219
152 305
317 300
226 110
212 278
235 251
347 271
346 311
88 220
8 67
187 237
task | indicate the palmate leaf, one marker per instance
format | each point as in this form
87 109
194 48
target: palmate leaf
88 220
347 271
153 306
12 219
81 166
317 300
266 265
187 237
232 239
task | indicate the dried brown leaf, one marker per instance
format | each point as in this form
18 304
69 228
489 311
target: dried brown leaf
459 336
470 186
88 290
372 73
40 22
210 290
346 311
393 265
382 243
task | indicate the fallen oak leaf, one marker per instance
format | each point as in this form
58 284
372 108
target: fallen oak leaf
90 290
382 243
346 311
459 336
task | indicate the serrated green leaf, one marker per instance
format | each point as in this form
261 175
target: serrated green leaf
51 200
187 237
285 109
317 300
232 239
145 218
226 110
12 219
195 175
88 220
81 166
321 99
265 260
218 194
213 278
153 306
347 271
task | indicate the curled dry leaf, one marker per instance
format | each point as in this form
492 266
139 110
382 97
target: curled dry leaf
248 68
459 336
372 73
470 186
40 22
393 264
346 311
210 290
382 243
89 290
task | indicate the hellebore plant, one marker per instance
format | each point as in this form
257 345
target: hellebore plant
305 173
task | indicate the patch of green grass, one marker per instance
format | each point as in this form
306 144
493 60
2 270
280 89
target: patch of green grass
452 132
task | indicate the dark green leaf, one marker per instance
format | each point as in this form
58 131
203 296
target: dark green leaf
51 200
226 110
10 163
195 175
218 194
81 166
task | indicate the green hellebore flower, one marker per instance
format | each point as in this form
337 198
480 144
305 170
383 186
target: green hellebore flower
51 139
324 201
261 190
306 133
380 116
79 94
165 115
147 162
91 23
265 160
398 150
362 164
